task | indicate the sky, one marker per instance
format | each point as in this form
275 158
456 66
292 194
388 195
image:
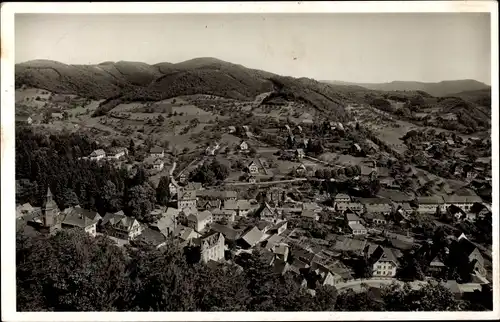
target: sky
357 47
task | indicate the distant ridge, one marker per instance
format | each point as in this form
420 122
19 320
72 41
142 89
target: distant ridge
443 88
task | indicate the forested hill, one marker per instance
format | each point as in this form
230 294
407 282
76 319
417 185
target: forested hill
134 81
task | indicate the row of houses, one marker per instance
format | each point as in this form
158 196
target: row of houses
384 206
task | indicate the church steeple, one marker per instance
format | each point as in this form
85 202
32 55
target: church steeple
49 203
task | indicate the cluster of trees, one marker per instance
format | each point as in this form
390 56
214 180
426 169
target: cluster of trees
53 161
348 171
72 271
210 173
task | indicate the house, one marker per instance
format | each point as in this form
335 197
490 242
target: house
351 217
376 218
341 201
252 237
158 164
356 149
117 153
311 206
325 275
473 253
157 152
299 153
58 116
212 149
281 251
200 220
24 119
86 220
24 210
301 170
209 204
287 127
167 223
267 213
280 227
242 207
183 177
223 214
152 237
243 146
229 233
253 168
276 195
251 179
120 226
309 215
463 202
299 128
185 234
97 155
280 267
357 229
346 244
384 209
232 129
429 205
372 147
264 226
436 267
172 188
186 199
384 262
212 247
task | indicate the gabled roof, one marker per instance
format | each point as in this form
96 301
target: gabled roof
342 196
118 221
211 239
241 204
349 244
310 206
98 152
253 236
383 254
308 213
152 237
357 226
436 262
78 217
228 232
200 216
184 232
351 216
378 208
273 240
187 195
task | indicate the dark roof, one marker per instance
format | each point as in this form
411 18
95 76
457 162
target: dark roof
152 237
383 253
466 245
228 232
253 236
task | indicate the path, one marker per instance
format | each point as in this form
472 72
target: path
264 183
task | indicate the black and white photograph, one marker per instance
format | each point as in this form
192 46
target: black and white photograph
296 161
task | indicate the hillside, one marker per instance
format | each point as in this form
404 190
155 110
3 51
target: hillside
480 97
443 88
120 82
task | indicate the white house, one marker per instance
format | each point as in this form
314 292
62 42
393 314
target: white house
224 214
186 199
243 146
158 164
97 155
157 152
200 221
82 219
358 229
385 263
429 205
120 226
212 247
117 153
253 168
341 201
463 202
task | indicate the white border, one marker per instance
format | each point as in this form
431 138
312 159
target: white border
7 146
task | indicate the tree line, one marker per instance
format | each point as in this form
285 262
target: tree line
72 271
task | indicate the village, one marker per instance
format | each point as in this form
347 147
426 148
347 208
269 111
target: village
342 222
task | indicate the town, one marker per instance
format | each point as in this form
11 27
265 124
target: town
252 162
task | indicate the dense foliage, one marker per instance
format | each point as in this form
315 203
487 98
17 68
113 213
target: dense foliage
72 271
53 161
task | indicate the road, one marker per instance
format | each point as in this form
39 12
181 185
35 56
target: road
264 183
356 285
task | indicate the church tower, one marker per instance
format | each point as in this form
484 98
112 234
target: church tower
49 210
